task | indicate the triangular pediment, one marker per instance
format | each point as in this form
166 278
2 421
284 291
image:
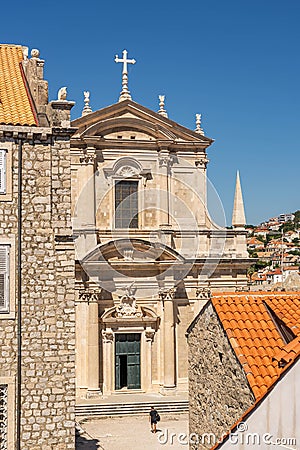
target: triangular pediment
128 120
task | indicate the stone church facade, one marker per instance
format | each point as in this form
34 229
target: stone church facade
107 251
147 249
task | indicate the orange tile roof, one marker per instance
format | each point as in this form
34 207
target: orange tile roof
253 334
15 103
289 353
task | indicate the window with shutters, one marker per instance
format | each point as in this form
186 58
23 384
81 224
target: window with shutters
4 278
2 171
6 151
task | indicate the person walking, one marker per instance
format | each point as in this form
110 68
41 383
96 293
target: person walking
153 418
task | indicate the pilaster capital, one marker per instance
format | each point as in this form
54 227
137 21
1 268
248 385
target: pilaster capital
108 336
165 159
203 293
167 294
90 296
88 156
149 334
201 163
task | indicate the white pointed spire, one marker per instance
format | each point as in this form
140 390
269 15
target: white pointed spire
238 214
198 125
87 109
162 110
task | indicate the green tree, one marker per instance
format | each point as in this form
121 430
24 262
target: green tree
297 217
287 226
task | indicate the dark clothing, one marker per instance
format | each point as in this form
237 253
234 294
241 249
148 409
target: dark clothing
153 415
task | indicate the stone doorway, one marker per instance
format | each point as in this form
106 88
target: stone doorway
127 361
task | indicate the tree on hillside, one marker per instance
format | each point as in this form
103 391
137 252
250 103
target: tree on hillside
297 217
287 226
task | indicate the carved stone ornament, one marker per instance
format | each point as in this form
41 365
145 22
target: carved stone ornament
128 254
162 110
89 296
127 172
62 94
201 163
35 53
167 294
198 124
149 334
108 336
87 109
87 158
128 306
164 160
203 293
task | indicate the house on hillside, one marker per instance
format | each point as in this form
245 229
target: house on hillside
254 244
274 276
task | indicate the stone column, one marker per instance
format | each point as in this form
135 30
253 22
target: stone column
164 206
93 351
108 348
203 295
201 164
85 212
149 335
167 296
81 344
93 383
88 189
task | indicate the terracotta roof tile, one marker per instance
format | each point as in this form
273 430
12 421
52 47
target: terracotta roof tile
15 105
288 353
255 337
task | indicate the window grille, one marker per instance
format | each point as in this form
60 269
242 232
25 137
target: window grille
4 278
2 171
126 204
3 417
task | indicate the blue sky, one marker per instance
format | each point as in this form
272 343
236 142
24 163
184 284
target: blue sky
236 62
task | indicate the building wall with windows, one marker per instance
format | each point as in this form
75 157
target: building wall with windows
40 132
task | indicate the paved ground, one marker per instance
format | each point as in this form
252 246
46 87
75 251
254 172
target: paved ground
133 433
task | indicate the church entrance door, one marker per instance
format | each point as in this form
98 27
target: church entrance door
127 358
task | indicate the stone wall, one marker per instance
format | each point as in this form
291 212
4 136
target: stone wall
48 310
219 392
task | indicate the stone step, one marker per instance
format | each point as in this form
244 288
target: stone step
123 409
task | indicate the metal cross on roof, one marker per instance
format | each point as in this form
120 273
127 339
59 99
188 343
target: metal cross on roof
125 94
